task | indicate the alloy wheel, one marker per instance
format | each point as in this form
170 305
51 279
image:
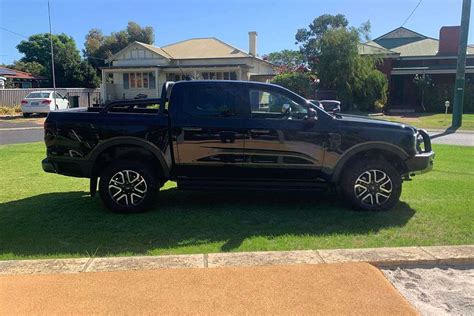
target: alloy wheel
373 187
127 188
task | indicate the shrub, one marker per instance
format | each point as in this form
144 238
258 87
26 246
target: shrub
298 82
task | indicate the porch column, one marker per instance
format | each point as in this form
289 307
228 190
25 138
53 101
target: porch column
103 89
157 83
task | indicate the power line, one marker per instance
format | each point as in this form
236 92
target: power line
408 18
13 32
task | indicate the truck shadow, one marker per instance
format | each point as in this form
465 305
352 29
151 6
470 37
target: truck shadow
72 223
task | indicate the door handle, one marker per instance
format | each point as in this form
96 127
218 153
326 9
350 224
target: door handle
192 129
260 131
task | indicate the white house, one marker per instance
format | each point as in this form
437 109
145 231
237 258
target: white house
141 69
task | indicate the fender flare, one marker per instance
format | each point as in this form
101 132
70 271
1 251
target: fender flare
135 141
351 152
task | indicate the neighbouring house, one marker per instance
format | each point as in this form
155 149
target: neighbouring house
407 54
19 79
141 69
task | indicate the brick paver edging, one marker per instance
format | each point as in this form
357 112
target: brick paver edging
383 257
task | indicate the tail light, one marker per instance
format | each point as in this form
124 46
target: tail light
24 102
46 102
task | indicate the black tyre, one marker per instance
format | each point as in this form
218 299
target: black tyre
371 185
128 187
26 114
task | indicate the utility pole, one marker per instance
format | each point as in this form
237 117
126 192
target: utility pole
52 57
461 66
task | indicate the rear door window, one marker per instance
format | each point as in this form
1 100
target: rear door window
214 101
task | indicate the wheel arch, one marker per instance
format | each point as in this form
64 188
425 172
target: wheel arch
133 143
382 150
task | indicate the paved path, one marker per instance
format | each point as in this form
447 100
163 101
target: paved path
21 130
351 288
463 138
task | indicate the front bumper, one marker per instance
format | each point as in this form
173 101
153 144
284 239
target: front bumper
420 163
423 161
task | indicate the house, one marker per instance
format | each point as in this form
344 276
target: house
19 79
407 53
141 69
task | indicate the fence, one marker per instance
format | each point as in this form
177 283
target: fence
87 97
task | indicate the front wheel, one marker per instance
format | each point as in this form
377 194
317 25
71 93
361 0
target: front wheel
128 187
374 185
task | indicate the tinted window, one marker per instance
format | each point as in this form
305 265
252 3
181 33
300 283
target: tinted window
273 104
38 95
223 101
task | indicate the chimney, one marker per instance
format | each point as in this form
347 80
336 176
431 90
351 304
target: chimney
253 43
448 40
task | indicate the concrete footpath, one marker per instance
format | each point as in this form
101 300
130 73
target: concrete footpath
381 257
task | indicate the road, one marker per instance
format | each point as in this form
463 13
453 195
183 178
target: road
28 131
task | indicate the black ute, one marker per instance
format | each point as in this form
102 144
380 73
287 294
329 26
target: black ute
232 135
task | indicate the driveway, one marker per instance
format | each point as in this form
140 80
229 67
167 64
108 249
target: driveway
325 289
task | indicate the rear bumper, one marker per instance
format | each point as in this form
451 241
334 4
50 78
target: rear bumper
420 163
36 109
48 166
68 167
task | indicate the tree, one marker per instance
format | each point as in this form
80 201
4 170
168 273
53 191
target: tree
100 47
301 83
67 59
331 47
32 67
309 38
286 60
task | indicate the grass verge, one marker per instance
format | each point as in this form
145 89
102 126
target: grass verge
426 120
49 216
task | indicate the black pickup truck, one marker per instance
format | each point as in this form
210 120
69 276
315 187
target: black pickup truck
232 135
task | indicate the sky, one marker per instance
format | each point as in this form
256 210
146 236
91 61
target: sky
276 21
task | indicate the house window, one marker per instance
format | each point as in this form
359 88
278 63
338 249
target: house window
139 80
219 75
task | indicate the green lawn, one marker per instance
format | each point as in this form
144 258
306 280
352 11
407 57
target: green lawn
427 120
46 215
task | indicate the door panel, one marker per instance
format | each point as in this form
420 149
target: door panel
209 139
287 149
282 143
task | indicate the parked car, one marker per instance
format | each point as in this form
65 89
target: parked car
212 135
43 102
333 106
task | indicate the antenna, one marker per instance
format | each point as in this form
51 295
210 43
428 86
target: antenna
52 56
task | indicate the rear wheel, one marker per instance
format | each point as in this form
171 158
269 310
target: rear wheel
26 114
128 187
374 185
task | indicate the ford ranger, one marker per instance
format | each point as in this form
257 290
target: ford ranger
212 135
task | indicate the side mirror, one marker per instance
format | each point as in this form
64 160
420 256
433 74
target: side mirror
311 118
312 114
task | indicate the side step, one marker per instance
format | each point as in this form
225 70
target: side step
246 184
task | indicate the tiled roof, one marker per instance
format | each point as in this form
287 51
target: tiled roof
197 48
406 43
16 74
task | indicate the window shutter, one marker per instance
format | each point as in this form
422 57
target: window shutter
125 81
152 83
